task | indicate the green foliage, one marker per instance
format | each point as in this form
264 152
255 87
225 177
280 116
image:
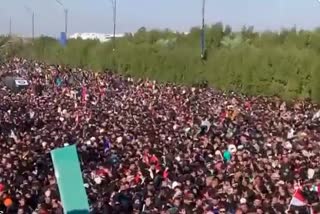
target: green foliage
269 63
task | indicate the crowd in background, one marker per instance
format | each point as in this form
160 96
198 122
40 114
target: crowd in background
146 147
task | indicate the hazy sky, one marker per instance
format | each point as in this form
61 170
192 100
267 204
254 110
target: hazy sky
96 15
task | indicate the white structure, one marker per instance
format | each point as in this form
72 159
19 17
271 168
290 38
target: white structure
99 36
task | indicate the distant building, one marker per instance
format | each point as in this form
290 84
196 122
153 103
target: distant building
94 36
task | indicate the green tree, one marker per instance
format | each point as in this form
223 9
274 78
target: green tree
269 63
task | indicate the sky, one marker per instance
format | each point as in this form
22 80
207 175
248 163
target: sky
181 15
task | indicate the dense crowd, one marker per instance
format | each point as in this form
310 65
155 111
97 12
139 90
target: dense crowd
146 147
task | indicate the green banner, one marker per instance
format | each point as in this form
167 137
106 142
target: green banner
69 177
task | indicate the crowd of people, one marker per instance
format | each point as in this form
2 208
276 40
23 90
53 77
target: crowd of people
146 147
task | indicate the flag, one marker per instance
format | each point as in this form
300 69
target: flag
145 159
165 173
158 168
31 114
151 173
138 178
298 199
247 105
106 144
315 188
63 39
77 118
83 94
13 136
154 160
222 116
103 172
58 81
316 115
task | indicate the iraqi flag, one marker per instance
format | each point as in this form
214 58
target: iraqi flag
298 199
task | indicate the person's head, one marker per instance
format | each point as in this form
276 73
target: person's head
215 201
177 202
243 205
239 211
20 211
259 211
148 201
257 202
22 202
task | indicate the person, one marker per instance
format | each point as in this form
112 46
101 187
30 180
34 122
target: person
147 147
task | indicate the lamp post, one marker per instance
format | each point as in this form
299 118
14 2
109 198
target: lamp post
65 17
114 9
203 45
10 26
32 20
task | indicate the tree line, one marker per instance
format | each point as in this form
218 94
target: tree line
284 64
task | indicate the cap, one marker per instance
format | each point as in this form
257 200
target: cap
243 201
